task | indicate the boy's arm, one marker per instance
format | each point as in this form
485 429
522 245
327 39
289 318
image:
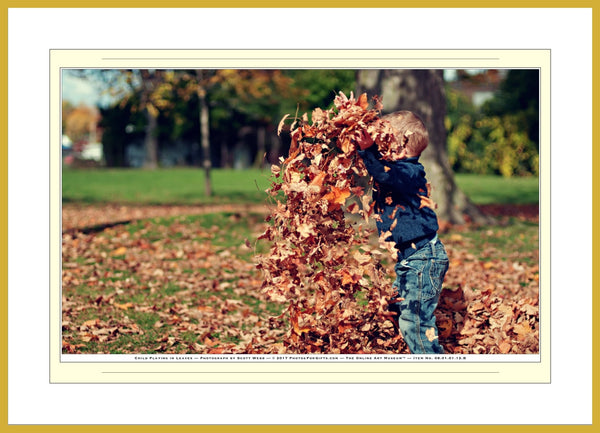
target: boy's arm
376 167
391 175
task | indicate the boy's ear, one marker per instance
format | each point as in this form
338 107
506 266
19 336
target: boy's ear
405 138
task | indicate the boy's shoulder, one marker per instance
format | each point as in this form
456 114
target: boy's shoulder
412 163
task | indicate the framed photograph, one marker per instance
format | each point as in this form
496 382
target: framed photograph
176 296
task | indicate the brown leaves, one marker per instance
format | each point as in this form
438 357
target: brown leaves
320 265
177 289
171 288
426 200
496 325
488 307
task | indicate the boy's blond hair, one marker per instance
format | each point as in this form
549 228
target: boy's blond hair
411 131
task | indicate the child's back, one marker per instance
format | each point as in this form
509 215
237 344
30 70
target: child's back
405 211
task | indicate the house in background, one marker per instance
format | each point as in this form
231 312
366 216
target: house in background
479 85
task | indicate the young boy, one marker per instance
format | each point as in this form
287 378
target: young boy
401 201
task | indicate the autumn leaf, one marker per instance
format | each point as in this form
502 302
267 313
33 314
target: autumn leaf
282 124
427 202
361 257
522 330
363 101
337 195
431 334
295 325
119 251
348 278
90 323
305 230
505 347
317 181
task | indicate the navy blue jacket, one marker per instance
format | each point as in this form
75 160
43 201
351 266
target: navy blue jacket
396 195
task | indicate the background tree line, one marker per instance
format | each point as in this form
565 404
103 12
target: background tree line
162 112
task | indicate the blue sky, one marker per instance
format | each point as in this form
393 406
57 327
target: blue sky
78 91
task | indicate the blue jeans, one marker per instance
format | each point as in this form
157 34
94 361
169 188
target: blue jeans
418 283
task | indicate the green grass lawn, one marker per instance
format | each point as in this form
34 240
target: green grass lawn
489 189
186 186
164 186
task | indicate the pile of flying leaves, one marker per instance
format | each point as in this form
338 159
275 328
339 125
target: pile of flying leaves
320 264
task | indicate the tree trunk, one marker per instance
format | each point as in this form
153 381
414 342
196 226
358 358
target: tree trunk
261 146
422 92
151 139
149 83
204 135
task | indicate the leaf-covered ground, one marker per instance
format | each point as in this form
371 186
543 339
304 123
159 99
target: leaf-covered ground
180 280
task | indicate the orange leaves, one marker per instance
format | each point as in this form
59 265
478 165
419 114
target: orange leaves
281 124
318 179
212 300
337 195
119 251
349 278
426 200
295 321
487 323
363 101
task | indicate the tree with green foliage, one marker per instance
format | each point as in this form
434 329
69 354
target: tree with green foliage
519 94
317 88
502 137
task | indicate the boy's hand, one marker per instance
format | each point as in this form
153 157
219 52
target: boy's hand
364 140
